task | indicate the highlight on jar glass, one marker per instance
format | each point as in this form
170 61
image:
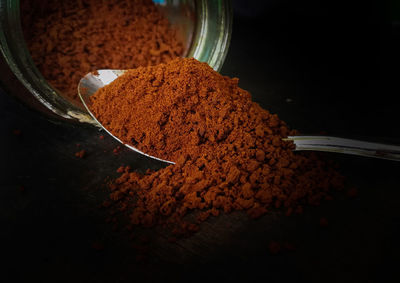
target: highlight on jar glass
47 48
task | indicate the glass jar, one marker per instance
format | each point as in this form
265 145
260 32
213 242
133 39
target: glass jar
204 25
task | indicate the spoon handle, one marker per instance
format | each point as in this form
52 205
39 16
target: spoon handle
347 146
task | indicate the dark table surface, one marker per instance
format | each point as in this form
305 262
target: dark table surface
320 67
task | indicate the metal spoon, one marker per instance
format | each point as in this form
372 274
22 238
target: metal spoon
90 83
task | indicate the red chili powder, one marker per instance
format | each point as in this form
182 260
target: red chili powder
68 39
229 151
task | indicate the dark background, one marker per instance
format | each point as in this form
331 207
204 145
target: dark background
322 66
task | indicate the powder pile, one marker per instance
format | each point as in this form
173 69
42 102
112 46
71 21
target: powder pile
229 151
68 39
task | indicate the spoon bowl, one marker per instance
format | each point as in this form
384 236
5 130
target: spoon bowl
88 86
